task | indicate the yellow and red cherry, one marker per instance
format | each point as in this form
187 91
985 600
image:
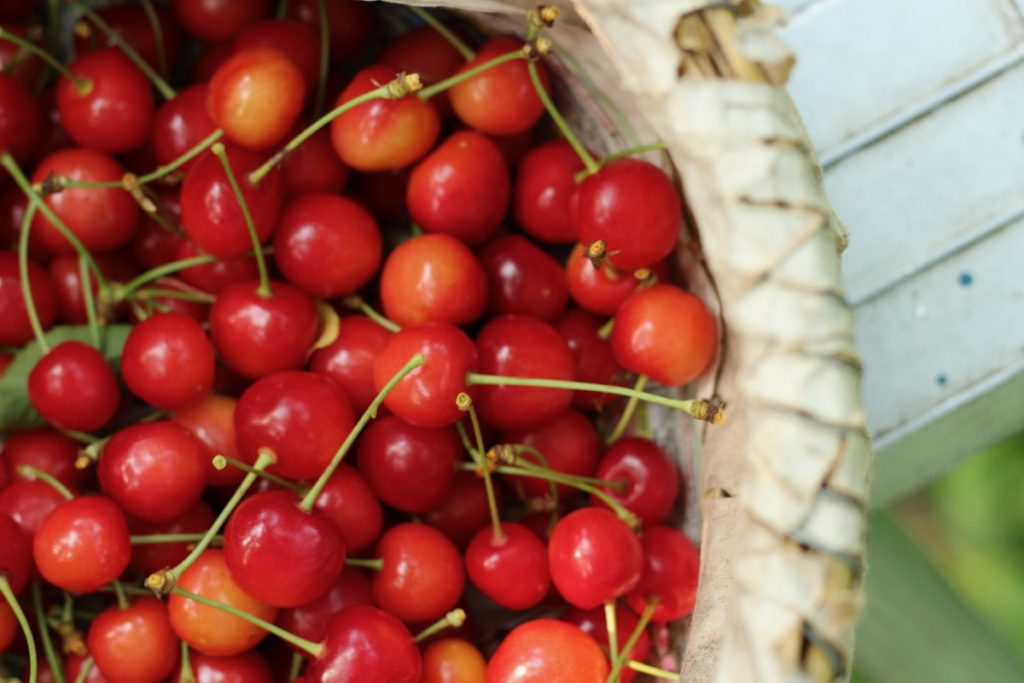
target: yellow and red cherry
543 650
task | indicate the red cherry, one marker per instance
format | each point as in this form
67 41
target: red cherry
523 279
280 554
422 577
28 502
464 512
433 278
348 23
314 167
426 52
545 650
83 544
14 326
384 192
19 120
208 629
545 183
461 188
14 62
328 245
114 111
154 470
410 468
349 359
209 60
168 361
594 557
309 621
66 275
15 554
212 422
46 450
133 24
595 360
382 134
569 443
426 396
102 219
217 276
348 501
453 660
218 21
181 124
257 335
210 212
151 557
134 644
500 100
255 97
366 645
521 346
665 333
246 667
671 574
650 476
296 39
633 207
512 570
593 623
598 289
302 417
73 387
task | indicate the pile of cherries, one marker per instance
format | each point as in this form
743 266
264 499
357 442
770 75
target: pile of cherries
213 292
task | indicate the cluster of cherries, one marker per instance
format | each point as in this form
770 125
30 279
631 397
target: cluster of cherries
206 304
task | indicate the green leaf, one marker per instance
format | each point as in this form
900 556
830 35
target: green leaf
16 411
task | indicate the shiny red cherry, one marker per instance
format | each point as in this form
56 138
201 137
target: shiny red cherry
46 450
135 644
168 361
523 279
28 502
15 329
598 289
73 387
309 621
349 359
545 182
365 644
671 574
349 502
314 167
218 21
422 577
569 443
512 570
545 650
648 474
212 422
181 124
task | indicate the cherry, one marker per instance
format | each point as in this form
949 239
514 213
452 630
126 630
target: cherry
101 218
523 279
26 68
598 289
280 554
365 644
212 422
426 52
349 502
410 468
255 97
296 39
384 192
257 335
217 276
15 329
245 667
180 124
348 23
168 361
594 557
326 244
309 621
464 511
382 134
218 21
66 275
83 544
426 396
595 360
422 576
73 666
28 502
134 644
670 575
633 207
151 557
545 183
453 660
433 278
109 106
544 650
569 444
19 120
210 630
521 346
300 416
593 623
133 24
210 212
349 359
154 470
461 188
46 450
15 554
511 570
74 388
501 100
314 167
649 474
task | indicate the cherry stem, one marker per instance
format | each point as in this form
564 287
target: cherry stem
152 539
166 90
122 598
186 157
310 498
261 264
560 122
358 303
156 293
87 666
44 634
623 656
627 412
29 472
158 35
454 80
325 56
82 85
622 154
19 614
654 671
8 162
454 619
185 674
612 626
161 582
80 437
519 448
465 404
433 22
122 292
90 303
376 564
402 85
605 331
26 286
295 669
222 461
699 409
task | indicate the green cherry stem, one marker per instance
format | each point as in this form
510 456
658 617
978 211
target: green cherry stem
654 671
520 448
454 80
44 634
152 539
156 293
158 35
560 122
376 564
30 472
161 85
358 303
122 292
185 675
26 287
314 650
310 498
295 668
552 485
433 22
122 597
605 331
622 154
222 461
325 57
87 666
627 412
619 661
162 581
465 404
261 264
188 156
82 85
80 437
90 303
19 614
454 619
612 626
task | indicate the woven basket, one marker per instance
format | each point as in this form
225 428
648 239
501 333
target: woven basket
779 492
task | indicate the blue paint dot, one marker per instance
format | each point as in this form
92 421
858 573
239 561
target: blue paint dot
966 279
942 379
